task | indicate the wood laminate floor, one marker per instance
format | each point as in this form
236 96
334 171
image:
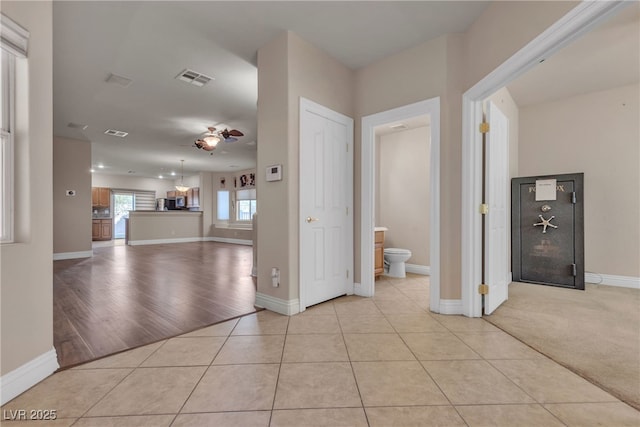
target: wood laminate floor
127 296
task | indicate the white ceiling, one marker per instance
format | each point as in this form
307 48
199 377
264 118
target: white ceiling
152 42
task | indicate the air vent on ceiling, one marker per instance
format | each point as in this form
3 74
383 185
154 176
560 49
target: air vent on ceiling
118 80
114 132
194 78
77 126
399 126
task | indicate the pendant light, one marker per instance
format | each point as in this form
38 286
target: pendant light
182 187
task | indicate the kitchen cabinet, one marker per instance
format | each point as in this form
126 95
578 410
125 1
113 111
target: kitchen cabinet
101 229
100 196
175 193
193 197
379 254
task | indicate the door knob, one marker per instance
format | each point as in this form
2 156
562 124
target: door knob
311 219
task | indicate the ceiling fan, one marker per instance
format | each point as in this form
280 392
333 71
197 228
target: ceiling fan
210 140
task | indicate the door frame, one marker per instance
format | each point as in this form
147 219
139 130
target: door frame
574 24
366 287
308 106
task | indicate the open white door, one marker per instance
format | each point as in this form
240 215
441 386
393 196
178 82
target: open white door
326 204
496 251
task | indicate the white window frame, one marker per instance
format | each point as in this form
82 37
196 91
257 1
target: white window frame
238 199
14 41
7 200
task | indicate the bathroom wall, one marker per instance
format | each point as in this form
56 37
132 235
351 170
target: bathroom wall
402 191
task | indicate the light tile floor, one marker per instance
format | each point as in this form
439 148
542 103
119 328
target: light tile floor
384 361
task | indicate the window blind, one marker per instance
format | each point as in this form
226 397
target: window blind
144 200
246 194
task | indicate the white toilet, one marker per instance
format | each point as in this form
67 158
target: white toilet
394 259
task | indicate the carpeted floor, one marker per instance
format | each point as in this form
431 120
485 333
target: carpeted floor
595 333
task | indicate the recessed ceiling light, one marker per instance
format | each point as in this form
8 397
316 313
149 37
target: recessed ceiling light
92 170
101 166
193 77
77 126
233 166
398 126
251 143
173 174
118 80
160 177
117 133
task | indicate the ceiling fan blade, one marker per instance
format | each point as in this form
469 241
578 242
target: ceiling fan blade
235 132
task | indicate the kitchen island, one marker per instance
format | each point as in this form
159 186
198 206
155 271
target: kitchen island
156 227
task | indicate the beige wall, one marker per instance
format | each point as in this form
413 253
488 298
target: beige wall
403 192
26 293
444 67
273 145
71 164
289 68
597 134
432 69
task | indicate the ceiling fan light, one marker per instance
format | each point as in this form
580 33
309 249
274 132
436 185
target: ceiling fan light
211 140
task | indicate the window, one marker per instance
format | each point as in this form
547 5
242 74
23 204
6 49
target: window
13 43
6 147
245 204
223 205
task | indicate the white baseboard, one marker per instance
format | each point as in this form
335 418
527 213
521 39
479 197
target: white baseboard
425 270
26 376
288 308
164 241
612 280
72 255
229 240
451 306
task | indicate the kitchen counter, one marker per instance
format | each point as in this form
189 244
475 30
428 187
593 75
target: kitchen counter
154 227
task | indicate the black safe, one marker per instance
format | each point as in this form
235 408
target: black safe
547 236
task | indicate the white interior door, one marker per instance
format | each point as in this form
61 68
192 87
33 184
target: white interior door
326 204
496 249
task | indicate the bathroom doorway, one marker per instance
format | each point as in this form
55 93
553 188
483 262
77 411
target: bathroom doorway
402 188
428 110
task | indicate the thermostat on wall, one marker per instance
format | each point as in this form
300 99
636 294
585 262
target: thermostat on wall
274 173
